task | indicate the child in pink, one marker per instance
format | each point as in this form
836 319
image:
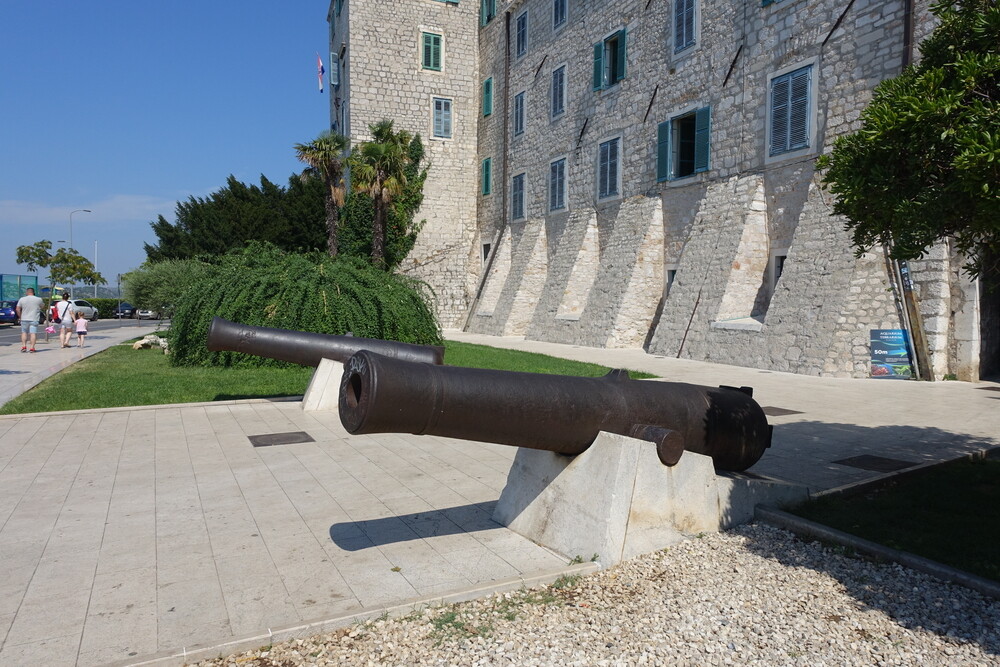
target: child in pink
81 328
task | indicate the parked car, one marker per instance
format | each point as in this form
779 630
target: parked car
8 314
80 305
124 309
146 314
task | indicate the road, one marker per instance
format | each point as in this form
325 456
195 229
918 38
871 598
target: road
10 334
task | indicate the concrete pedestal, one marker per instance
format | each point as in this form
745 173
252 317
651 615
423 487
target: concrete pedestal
616 500
323 392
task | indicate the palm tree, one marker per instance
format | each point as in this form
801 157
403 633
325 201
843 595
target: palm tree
323 155
378 169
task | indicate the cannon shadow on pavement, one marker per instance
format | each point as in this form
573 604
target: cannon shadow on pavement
357 535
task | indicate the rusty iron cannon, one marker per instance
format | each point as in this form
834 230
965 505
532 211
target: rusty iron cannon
307 348
551 412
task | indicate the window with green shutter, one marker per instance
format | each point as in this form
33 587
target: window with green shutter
682 145
487 173
517 197
684 24
488 96
610 57
789 111
431 51
487 11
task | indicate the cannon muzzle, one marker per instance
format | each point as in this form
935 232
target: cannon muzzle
307 348
551 412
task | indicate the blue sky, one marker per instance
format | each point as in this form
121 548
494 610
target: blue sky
126 107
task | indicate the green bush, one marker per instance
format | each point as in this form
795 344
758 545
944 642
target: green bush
264 286
105 307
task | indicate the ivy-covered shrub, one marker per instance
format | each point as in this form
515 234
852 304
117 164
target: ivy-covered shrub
264 286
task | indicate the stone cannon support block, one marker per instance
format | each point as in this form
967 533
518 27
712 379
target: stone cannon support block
323 392
617 500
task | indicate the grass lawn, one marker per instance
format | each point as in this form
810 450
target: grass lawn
121 376
948 514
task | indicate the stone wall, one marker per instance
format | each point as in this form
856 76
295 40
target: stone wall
725 230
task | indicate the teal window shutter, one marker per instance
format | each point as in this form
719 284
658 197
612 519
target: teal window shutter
487 176
702 126
431 51
598 65
798 102
620 73
663 151
488 96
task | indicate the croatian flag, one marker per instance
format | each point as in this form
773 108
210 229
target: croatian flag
320 71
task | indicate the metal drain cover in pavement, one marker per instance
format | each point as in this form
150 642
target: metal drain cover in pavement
772 411
876 463
269 439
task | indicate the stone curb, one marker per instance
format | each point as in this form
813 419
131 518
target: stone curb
806 528
338 622
158 406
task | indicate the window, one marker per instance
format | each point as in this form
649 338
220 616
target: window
607 169
609 61
487 173
517 197
487 11
519 114
486 252
558 91
682 145
683 24
521 34
431 51
488 96
790 111
442 118
334 69
558 14
557 185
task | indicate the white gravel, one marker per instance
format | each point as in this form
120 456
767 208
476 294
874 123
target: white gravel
753 596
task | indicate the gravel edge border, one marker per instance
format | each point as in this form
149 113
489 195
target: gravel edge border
806 528
248 643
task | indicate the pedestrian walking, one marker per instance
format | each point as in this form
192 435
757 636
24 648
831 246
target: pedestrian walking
29 312
81 328
62 315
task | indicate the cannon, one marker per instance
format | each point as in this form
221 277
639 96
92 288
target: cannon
307 348
551 412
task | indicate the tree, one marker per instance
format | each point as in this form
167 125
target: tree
290 218
323 155
65 265
925 164
379 169
160 286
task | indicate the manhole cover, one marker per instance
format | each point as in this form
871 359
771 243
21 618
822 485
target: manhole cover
269 439
876 463
772 411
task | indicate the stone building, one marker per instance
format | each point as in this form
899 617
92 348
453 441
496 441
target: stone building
641 174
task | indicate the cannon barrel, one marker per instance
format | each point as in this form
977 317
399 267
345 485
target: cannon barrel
551 412
307 348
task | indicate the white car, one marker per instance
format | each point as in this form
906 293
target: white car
146 314
79 305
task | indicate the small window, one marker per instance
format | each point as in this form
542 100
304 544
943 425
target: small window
684 24
607 168
486 252
521 34
790 111
682 145
431 51
669 278
558 91
334 69
487 11
442 118
609 60
488 97
487 173
517 197
558 14
519 114
557 185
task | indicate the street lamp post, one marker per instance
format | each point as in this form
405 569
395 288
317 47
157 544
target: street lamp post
95 267
79 210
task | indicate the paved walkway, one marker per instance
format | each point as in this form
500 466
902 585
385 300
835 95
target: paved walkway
139 532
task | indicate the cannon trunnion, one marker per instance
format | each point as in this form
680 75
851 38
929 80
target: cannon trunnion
551 412
307 348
